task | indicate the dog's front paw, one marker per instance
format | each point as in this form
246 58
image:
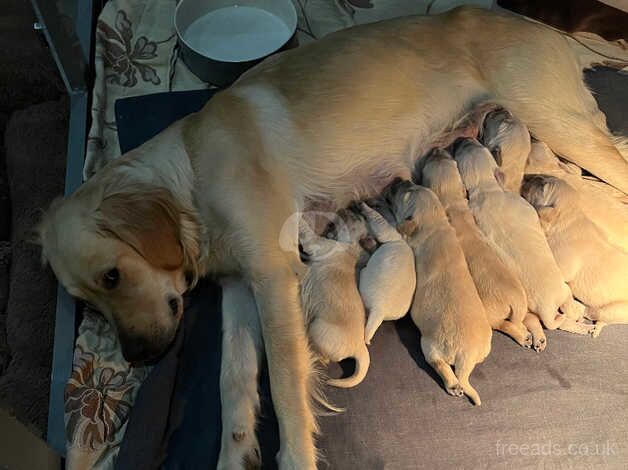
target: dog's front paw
240 451
296 461
528 341
455 390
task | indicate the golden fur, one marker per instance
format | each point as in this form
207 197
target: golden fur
295 128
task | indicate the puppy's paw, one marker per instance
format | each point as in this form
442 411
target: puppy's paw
597 329
592 313
540 344
528 341
455 390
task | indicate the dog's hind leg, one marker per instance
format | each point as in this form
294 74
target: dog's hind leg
444 370
581 141
242 351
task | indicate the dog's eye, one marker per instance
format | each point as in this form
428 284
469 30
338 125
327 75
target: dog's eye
111 279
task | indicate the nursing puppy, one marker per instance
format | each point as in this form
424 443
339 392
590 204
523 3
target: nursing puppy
388 280
446 307
500 290
595 269
511 225
508 140
602 204
333 308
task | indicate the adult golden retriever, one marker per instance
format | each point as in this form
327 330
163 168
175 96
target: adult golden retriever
332 120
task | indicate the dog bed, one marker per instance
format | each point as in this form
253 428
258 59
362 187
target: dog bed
574 393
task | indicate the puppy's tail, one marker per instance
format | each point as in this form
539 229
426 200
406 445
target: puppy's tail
362 363
464 366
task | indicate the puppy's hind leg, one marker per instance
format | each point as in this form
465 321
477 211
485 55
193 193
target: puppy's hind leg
533 324
574 312
464 367
444 370
616 312
242 351
516 331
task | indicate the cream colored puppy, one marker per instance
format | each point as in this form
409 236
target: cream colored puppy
500 290
388 280
508 140
332 305
446 307
596 270
604 205
512 227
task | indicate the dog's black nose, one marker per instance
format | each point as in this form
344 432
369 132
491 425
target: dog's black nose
174 304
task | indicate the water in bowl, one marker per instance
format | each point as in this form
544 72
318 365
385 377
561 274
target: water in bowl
237 34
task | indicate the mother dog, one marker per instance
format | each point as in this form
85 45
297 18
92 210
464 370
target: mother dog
330 121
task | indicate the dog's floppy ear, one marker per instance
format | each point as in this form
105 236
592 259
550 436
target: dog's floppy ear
152 222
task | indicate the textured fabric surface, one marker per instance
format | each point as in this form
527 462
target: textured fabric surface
571 398
28 74
36 146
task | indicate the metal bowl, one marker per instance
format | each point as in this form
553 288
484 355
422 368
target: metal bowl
220 39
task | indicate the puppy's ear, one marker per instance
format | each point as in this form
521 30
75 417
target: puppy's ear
547 214
500 177
497 155
154 224
369 244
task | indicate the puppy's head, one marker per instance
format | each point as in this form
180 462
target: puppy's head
127 252
476 165
440 174
548 195
508 140
347 226
413 206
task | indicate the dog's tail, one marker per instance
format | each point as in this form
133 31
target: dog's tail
362 363
464 366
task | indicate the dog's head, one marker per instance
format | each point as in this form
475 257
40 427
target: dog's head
127 252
